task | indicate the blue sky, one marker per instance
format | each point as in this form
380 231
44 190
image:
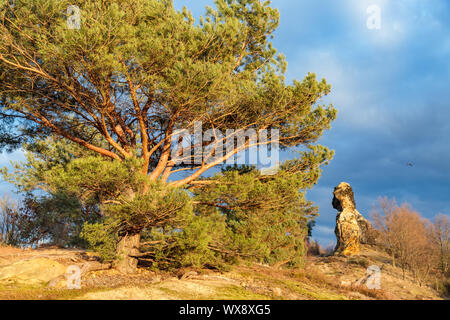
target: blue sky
391 87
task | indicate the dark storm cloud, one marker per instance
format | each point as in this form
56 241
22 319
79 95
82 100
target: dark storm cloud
391 88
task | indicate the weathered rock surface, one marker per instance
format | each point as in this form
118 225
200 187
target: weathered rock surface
37 271
352 228
42 267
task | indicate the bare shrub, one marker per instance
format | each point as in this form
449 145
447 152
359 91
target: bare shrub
329 249
9 222
314 248
440 235
406 236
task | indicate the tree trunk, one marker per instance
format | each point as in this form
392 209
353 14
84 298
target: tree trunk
127 250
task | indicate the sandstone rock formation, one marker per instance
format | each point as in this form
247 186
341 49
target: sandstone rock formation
35 271
44 267
351 227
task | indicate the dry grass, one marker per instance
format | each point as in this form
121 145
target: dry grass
33 293
372 293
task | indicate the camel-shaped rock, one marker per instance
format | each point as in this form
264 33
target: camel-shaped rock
351 227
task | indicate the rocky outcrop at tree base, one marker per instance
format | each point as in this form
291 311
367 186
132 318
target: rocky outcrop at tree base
352 228
32 271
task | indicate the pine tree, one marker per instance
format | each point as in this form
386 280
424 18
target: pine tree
133 73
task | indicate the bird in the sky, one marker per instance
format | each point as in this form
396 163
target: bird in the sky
410 164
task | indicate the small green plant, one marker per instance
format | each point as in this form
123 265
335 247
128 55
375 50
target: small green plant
101 240
363 262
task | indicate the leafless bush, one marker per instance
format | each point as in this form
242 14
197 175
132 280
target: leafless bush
9 222
329 249
440 235
315 249
406 236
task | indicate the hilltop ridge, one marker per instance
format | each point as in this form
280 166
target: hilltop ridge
26 274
